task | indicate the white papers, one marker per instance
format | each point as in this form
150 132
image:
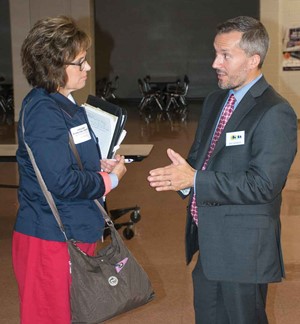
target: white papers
104 126
122 136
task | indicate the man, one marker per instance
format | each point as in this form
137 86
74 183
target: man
235 174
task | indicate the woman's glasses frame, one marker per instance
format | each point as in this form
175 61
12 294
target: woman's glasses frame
81 64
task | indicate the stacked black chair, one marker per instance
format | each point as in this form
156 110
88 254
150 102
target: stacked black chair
177 94
6 102
149 95
135 217
106 88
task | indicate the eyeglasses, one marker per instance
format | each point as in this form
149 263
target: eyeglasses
82 65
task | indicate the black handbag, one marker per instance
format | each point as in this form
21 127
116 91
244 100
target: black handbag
105 285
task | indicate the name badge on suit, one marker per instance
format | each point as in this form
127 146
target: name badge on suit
235 138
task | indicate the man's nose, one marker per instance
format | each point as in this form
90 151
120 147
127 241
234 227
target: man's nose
216 63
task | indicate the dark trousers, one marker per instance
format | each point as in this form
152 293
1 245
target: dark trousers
218 302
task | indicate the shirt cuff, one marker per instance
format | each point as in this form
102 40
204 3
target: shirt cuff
114 180
195 181
185 191
109 181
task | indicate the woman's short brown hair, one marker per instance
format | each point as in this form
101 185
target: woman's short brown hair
49 45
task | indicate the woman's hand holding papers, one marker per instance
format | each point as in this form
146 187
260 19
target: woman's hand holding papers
116 166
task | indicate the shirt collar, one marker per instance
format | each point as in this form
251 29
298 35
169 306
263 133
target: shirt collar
239 94
65 103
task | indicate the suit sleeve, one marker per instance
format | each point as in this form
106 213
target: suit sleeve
272 150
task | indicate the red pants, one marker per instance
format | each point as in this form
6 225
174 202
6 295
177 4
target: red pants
42 271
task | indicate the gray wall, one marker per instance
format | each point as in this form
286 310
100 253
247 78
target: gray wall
167 38
134 38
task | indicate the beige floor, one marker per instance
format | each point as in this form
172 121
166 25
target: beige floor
158 242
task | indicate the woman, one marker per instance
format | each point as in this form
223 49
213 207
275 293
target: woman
54 64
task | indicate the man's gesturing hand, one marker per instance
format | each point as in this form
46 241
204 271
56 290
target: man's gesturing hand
176 176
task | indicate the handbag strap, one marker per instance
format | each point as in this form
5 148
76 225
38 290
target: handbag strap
47 193
41 181
77 157
75 152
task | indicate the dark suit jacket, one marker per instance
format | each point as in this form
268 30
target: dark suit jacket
239 194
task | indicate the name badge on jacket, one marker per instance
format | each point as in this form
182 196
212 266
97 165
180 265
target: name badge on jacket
235 138
80 133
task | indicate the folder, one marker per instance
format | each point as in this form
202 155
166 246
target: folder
107 121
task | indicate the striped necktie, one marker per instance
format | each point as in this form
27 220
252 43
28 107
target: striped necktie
226 114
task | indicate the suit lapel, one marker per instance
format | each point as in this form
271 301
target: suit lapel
243 108
209 130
